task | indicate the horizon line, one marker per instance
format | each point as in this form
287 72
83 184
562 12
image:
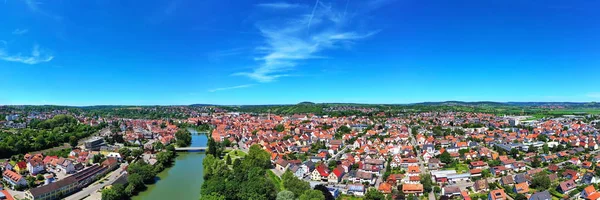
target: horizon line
287 104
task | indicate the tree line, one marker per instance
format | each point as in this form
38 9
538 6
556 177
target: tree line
44 135
140 173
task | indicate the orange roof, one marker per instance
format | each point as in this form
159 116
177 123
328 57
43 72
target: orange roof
386 188
412 187
522 188
594 196
589 189
413 169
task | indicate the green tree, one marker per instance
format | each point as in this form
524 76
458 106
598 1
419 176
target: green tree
213 196
257 157
541 181
136 181
279 127
446 158
116 192
137 152
546 149
40 177
324 191
227 160
73 141
286 195
125 152
426 182
312 195
374 194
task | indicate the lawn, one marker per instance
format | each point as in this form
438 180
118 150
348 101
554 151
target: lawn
234 154
460 168
276 180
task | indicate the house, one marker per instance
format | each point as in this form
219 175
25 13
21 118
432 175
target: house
308 167
521 188
589 178
590 193
566 186
21 167
545 195
451 191
553 168
413 171
507 180
521 178
110 163
481 185
320 173
499 170
296 170
66 166
13 178
497 195
415 189
519 166
570 174
7 166
434 164
336 175
281 164
385 188
35 166
477 164
114 155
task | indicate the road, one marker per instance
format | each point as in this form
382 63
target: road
422 163
97 186
339 153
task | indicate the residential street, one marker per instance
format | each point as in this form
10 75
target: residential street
94 187
424 170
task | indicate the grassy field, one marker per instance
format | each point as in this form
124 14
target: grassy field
276 180
460 168
235 154
574 111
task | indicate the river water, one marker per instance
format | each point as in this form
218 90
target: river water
182 180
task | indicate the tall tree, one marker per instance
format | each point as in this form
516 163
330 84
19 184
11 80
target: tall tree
312 195
286 195
325 191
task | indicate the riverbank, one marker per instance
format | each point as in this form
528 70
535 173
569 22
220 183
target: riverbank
183 179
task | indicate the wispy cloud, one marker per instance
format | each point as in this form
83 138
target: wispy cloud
34 6
218 55
280 5
37 56
20 31
289 41
593 95
231 88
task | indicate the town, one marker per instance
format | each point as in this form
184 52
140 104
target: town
426 155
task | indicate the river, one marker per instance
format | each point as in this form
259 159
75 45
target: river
182 180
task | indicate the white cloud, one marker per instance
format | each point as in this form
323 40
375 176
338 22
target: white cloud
280 5
302 37
20 31
231 88
37 56
593 95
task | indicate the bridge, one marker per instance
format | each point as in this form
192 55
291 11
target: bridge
191 148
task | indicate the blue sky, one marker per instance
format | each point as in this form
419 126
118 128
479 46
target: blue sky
101 52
